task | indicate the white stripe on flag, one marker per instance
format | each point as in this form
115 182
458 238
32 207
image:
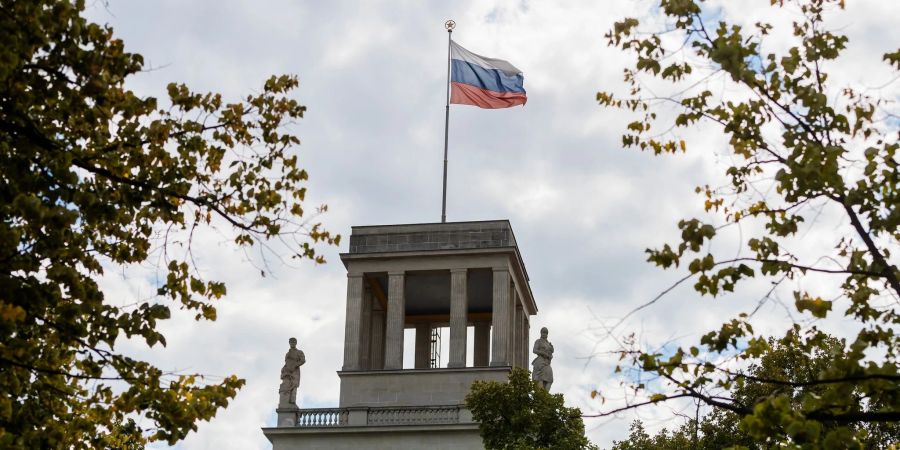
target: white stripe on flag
457 52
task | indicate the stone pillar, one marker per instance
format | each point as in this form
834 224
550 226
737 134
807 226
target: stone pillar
395 321
520 336
357 416
482 344
352 325
365 330
500 324
512 332
459 320
423 346
526 352
377 346
287 417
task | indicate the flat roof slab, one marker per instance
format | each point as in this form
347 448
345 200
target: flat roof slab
431 236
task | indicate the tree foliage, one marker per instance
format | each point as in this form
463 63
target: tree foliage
93 178
795 369
639 439
522 415
799 148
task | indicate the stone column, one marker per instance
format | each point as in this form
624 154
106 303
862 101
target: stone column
459 320
482 344
512 332
500 324
352 326
526 352
520 336
365 330
423 346
395 321
377 347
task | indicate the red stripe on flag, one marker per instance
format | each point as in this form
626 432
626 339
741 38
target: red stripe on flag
466 94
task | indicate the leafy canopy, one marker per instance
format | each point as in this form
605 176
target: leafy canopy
522 415
800 150
791 372
95 178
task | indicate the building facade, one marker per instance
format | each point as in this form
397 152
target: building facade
424 277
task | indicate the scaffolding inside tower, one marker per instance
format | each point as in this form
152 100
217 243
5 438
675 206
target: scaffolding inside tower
435 347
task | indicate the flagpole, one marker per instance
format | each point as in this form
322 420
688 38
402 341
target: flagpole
449 25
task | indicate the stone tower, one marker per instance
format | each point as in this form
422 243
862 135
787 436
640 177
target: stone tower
421 277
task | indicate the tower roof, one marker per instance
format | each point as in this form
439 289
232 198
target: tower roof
390 242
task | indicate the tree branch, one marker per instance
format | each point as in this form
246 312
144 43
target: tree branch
886 269
61 372
800 384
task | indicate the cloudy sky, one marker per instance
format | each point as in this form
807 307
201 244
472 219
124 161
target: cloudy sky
372 75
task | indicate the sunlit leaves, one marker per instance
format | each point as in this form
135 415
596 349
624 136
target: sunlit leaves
796 143
787 381
816 306
94 177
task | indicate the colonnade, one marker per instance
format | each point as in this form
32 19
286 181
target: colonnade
375 324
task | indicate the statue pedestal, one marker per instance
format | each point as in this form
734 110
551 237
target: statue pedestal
287 416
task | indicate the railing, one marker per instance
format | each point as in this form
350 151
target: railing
415 415
323 417
379 416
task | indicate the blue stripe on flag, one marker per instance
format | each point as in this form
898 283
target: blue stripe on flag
490 79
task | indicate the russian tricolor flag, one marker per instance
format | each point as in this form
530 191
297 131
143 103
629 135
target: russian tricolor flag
484 82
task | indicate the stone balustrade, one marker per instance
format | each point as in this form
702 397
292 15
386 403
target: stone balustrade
381 416
416 415
322 417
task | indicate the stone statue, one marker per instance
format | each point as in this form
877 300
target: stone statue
541 370
290 376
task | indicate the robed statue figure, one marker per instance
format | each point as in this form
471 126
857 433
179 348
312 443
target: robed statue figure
541 370
290 376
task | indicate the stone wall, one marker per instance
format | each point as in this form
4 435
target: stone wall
438 236
413 387
446 437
